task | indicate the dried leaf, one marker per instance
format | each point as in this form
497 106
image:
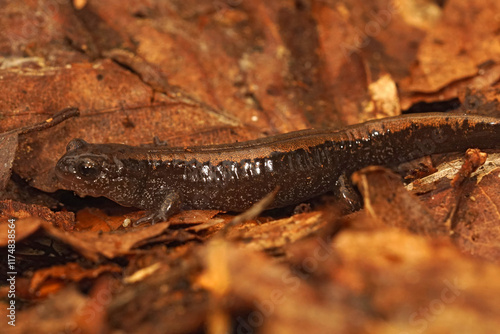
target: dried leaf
11 209
387 201
71 272
8 146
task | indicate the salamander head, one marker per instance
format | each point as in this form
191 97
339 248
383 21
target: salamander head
93 169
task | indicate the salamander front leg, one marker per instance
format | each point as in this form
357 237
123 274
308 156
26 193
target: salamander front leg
170 205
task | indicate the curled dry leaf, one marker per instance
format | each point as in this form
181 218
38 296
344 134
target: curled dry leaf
474 159
70 272
94 246
387 201
9 141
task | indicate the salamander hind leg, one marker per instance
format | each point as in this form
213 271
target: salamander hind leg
349 198
170 206
158 142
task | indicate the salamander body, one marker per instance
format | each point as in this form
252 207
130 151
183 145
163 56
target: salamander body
232 177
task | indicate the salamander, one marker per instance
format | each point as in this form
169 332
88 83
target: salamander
232 177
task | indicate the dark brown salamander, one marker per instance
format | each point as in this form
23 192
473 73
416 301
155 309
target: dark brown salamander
232 177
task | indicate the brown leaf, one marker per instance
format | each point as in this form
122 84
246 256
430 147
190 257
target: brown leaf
278 301
455 48
93 245
470 209
11 209
8 146
416 283
23 229
107 244
278 233
9 141
56 314
477 231
387 201
71 272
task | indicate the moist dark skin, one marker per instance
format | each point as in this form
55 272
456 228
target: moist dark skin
233 177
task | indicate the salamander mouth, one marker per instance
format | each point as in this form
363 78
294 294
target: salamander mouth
67 175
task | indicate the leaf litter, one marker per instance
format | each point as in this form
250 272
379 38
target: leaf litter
194 72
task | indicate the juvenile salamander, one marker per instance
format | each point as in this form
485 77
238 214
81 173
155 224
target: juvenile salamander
232 177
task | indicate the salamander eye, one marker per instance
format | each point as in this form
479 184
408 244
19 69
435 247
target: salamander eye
88 168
